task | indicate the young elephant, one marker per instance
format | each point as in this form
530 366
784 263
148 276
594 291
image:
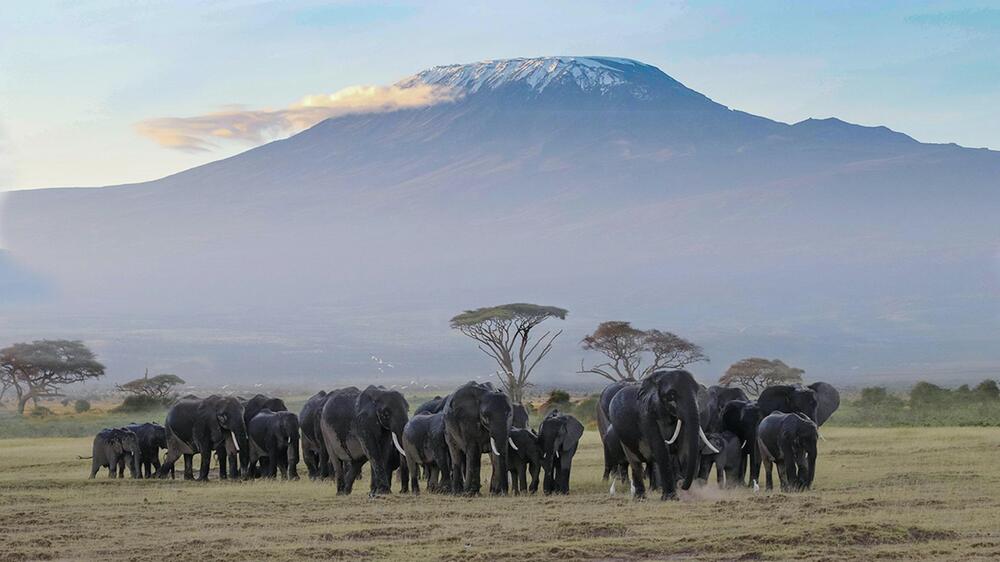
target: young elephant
425 447
114 448
559 435
525 456
152 437
789 440
274 438
727 461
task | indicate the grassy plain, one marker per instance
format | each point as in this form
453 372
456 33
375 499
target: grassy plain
903 493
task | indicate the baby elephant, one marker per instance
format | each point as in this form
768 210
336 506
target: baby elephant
559 435
788 440
152 437
527 457
726 461
274 438
114 448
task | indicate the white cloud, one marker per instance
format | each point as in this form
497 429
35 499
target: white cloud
201 132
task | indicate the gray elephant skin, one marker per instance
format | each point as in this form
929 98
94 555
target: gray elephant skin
115 449
203 426
477 419
274 442
789 441
152 437
559 435
426 449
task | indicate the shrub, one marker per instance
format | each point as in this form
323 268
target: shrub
81 406
140 403
557 396
40 412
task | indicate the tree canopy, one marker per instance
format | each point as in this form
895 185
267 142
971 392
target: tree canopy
754 374
633 354
159 387
39 369
504 333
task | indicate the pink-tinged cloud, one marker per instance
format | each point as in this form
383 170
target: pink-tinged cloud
254 126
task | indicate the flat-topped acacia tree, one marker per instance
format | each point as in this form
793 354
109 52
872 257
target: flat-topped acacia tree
39 369
633 354
504 333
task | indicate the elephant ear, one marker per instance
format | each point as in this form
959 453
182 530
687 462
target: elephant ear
648 392
572 432
208 413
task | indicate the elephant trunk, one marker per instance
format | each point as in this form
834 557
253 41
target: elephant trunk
499 436
807 480
691 451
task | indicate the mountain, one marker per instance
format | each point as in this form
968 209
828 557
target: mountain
601 185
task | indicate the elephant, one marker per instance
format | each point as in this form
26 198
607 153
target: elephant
658 423
152 437
789 440
115 449
366 426
741 417
425 446
716 399
250 409
727 462
204 426
614 457
432 406
828 400
559 435
313 448
274 436
477 420
524 457
788 399
519 416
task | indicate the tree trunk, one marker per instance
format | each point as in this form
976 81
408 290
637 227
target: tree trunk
22 401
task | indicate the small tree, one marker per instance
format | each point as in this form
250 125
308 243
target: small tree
627 348
754 374
987 390
39 369
505 333
159 388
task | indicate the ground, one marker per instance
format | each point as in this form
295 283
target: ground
921 493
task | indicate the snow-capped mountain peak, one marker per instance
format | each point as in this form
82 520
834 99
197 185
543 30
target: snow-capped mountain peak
590 74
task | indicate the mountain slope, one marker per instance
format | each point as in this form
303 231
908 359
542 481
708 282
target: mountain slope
597 184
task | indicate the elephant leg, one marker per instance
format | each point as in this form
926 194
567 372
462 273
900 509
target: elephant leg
522 478
189 467
95 465
206 465
534 468
404 475
414 475
638 483
767 474
472 468
567 466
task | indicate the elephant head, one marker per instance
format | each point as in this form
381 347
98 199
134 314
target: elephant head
669 398
496 418
227 426
798 442
559 435
390 409
128 444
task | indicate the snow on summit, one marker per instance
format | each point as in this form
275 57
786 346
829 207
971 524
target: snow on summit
588 73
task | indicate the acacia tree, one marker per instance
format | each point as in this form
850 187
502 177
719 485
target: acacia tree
633 354
754 374
159 387
505 333
39 369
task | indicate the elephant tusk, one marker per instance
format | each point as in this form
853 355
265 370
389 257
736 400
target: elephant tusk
821 436
493 444
511 443
743 445
677 432
613 482
701 433
236 443
395 441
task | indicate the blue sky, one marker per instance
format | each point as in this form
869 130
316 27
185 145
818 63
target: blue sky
77 77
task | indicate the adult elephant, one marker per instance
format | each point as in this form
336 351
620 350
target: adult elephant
366 426
827 401
152 437
716 399
559 435
789 440
477 419
203 426
658 423
524 457
615 462
741 417
519 416
425 446
432 406
115 449
313 449
251 408
787 399
274 436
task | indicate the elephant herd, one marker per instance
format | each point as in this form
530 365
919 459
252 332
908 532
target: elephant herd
666 430
339 432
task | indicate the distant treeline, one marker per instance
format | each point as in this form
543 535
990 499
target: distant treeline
925 405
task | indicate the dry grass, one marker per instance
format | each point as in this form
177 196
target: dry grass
880 494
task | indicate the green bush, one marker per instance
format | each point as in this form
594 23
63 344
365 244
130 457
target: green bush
140 403
81 406
927 405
